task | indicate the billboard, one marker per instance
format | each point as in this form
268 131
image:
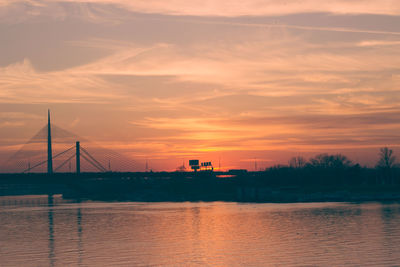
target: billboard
193 162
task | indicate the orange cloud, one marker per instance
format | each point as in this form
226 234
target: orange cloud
244 8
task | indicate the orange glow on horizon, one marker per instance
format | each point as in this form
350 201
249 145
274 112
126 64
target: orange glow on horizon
259 79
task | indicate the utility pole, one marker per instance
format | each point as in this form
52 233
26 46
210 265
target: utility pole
49 151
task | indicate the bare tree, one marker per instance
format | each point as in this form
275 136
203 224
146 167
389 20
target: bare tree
297 162
387 159
337 161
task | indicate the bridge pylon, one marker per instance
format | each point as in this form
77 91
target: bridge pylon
49 150
78 158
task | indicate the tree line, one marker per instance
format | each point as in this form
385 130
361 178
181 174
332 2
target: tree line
334 170
387 160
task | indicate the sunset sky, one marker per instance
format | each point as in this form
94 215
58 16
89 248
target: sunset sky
218 80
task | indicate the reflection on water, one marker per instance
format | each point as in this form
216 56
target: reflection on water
47 231
51 229
78 222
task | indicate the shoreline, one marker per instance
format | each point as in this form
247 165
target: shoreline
182 187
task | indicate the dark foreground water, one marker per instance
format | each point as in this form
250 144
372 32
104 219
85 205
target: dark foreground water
35 232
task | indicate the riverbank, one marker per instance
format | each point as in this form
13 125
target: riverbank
158 187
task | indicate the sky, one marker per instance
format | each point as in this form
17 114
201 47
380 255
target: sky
228 81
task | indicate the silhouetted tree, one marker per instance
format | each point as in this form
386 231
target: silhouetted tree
297 162
337 161
386 158
385 164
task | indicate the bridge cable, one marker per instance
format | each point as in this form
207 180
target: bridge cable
92 163
62 164
37 165
98 163
43 162
65 151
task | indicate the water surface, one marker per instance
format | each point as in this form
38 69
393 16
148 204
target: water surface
42 231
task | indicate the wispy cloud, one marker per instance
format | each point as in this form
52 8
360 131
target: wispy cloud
8 124
18 115
367 43
263 66
20 83
240 8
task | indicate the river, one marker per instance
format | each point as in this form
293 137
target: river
43 231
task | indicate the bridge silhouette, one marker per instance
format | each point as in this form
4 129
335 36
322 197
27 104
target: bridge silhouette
57 162
39 156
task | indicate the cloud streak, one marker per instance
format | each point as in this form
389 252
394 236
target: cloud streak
20 83
240 8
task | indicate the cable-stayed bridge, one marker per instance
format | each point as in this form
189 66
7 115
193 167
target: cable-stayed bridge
56 162
55 150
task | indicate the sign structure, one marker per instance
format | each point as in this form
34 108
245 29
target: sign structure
206 166
194 164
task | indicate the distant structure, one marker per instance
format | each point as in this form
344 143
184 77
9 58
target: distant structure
206 166
79 152
194 164
237 171
49 151
181 168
